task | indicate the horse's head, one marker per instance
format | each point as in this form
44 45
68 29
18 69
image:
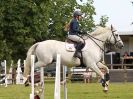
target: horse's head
115 39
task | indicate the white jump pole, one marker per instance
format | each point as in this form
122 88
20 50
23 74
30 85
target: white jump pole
42 81
5 74
19 76
32 76
57 79
64 80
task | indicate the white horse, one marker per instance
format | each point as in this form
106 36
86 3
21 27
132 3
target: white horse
46 51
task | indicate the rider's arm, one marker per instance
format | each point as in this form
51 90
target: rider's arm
76 27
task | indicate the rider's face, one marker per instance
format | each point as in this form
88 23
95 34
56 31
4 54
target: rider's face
79 17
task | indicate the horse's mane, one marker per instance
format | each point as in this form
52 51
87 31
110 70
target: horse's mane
99 30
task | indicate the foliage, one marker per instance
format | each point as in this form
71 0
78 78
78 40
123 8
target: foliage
104 20
24 22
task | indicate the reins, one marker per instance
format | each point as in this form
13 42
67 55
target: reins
92 38
106 42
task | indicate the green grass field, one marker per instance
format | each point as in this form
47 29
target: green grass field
75 91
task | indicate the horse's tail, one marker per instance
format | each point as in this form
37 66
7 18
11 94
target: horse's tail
27 67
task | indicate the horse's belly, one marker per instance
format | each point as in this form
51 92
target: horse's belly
70 61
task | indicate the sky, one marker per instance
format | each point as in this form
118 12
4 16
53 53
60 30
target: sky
120 13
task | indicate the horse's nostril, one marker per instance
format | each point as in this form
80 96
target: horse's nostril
122 46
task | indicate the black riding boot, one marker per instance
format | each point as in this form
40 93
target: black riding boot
78 50
77 54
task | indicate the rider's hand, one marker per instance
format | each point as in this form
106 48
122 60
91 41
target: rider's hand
83 32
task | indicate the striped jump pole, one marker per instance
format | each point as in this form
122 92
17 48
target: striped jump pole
42 82
4 74
64 84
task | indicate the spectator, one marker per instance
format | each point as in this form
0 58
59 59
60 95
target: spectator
126 56
87 76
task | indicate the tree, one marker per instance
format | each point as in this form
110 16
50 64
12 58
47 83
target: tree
24 22
103 20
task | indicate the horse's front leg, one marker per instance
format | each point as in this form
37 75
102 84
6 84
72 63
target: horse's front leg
105 70
94 67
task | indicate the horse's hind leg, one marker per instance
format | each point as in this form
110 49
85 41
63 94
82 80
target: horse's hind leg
39 64
43 63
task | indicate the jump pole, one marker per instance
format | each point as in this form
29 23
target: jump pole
64 80
57 78
32 95
42 82
32 76
5 74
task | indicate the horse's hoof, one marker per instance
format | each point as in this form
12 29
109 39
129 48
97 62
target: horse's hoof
26 84
105 91
36 97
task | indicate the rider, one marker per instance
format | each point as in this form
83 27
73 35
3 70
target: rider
74 31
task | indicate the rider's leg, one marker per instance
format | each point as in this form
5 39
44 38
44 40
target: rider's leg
79 46
78 50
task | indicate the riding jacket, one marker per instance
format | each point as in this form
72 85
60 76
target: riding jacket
74 27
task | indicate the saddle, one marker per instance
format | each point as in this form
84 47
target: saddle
70 45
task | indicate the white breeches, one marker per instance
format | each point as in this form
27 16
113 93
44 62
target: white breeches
75 38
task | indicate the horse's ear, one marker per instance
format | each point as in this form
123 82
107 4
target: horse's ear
111 27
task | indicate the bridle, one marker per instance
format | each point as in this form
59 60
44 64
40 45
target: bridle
114 35
107 42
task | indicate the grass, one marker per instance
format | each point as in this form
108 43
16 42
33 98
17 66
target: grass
75 91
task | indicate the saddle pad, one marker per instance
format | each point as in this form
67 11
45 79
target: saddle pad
70 47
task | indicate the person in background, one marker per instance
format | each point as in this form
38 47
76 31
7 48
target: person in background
87 76
126 56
